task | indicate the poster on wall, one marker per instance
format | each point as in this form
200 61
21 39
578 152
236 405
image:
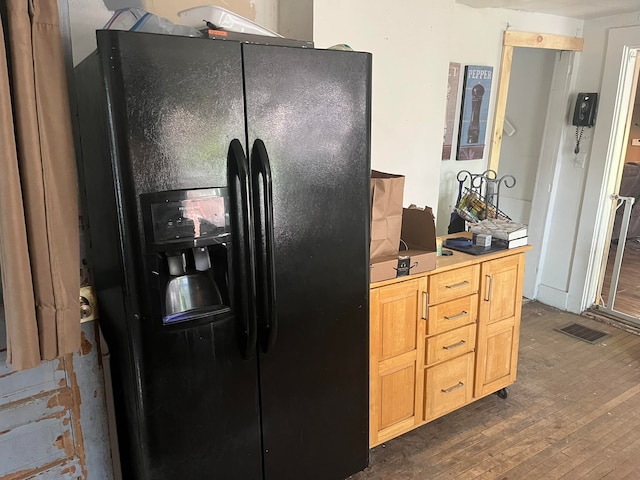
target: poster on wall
475 110
450 112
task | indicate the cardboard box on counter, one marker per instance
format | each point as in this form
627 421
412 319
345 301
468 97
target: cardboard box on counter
419 236
407 262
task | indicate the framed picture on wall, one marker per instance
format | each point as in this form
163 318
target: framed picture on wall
453 82
475 110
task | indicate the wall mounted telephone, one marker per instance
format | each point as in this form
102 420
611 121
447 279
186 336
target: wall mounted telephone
584 114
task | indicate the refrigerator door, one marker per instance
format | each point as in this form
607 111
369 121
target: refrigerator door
179 106
311 110
188 399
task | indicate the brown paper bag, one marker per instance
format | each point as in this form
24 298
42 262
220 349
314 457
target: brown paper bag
387 192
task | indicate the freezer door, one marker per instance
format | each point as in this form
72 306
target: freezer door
311 110
187 400
175 104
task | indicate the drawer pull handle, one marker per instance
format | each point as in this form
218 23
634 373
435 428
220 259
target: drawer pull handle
453 389
458 285
455 345
425 306
490 289
455 317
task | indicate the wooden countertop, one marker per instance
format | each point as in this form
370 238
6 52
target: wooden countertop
457 260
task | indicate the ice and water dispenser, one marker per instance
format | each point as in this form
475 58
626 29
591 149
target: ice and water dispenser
188 240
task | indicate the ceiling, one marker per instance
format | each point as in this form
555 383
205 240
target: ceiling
583 9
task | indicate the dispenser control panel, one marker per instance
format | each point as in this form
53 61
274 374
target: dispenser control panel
190 217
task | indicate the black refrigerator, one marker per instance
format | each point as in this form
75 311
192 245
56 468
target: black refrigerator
228 195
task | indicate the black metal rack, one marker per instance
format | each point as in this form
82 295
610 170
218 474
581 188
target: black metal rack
479 195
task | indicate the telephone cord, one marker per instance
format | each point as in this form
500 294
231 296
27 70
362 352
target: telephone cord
578 139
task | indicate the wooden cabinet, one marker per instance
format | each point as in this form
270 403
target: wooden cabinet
499 324
443 339
396 356
449 386
450 340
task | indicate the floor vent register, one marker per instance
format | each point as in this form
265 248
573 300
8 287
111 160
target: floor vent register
583 333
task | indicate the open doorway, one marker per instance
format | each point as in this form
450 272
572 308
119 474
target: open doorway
544 189
609 145
619 284
529 90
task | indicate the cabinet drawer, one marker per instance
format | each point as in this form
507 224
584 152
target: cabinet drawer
453 284
450 315
450 344
448 386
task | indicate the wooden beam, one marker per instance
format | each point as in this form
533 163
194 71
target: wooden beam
542 40
501 106
512 39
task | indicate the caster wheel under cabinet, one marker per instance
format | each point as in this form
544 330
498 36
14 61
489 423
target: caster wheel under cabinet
443 339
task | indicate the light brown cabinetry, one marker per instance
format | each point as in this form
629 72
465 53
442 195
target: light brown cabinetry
499 324
396 356
442 339
450 340
449 386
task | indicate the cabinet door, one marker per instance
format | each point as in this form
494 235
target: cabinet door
397 352
499 323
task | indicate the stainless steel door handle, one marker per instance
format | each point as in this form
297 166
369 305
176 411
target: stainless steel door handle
455 317
425 306
458 285
489 289
455 345
453 389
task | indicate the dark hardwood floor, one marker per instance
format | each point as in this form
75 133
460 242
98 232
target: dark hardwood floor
573 413
628 293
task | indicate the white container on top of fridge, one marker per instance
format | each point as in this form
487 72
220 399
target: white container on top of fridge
222 18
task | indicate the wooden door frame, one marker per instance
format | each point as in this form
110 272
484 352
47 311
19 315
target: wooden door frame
512 39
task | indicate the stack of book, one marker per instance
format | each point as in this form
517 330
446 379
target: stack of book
504 233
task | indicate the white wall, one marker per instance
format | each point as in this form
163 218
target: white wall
412 46
408 112
85 17
477 40
295 19
410 43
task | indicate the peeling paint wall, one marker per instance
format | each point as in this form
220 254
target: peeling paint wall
53 418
